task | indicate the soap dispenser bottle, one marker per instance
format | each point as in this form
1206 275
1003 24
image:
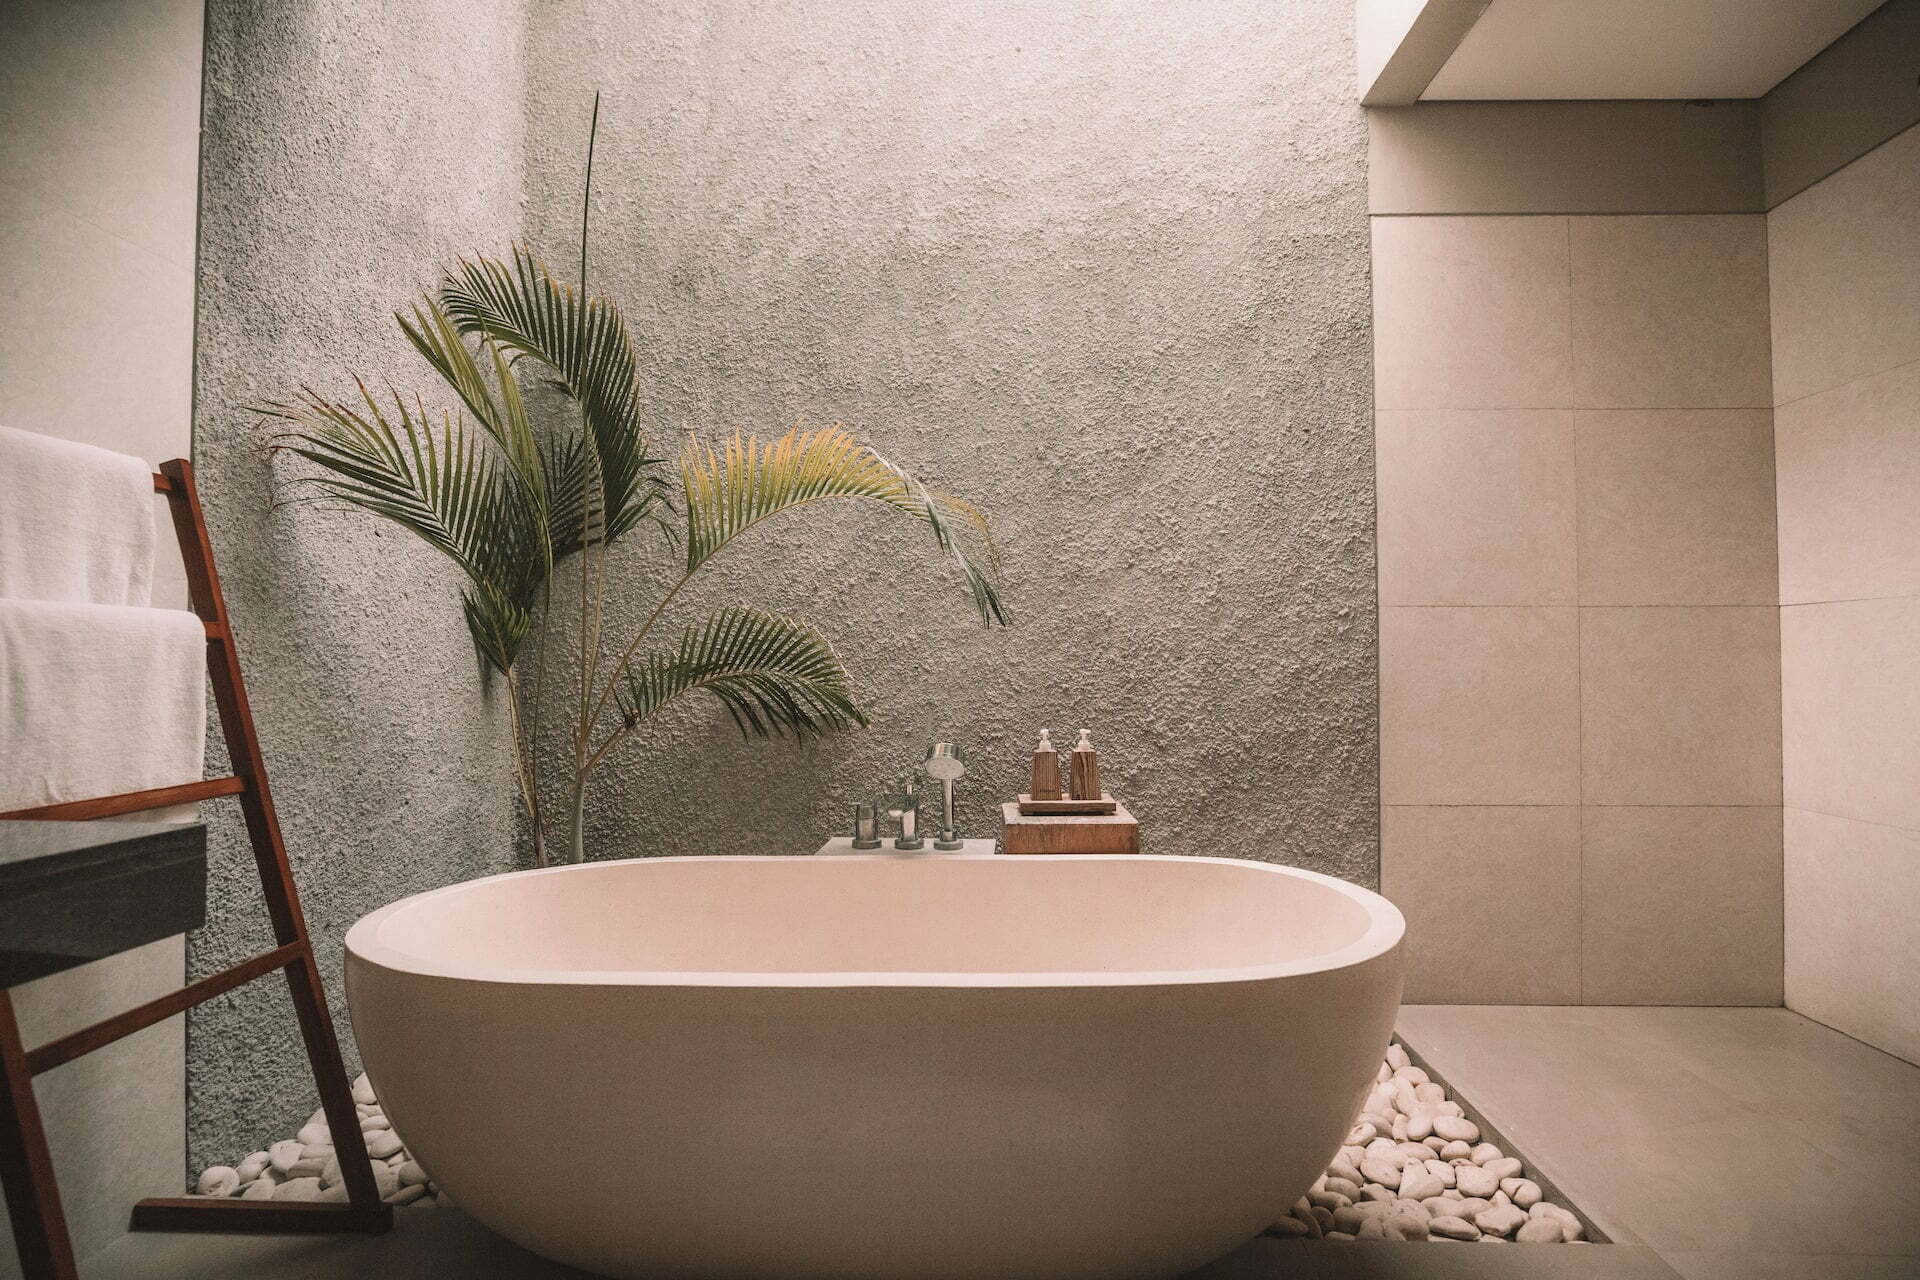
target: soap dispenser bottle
1046 770
1084 768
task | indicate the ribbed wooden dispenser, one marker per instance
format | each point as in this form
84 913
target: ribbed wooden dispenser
1046 771
1084 769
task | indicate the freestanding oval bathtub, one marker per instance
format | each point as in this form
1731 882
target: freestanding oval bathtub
870 1068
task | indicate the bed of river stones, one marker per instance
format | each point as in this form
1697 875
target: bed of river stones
304 1166
1414 1168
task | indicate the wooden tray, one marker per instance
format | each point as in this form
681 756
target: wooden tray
1105 804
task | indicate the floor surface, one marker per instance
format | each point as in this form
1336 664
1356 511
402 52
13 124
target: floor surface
1714 1144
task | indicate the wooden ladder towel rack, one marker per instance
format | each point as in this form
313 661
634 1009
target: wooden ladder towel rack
33 1199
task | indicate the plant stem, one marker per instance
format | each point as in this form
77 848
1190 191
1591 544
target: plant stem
523 751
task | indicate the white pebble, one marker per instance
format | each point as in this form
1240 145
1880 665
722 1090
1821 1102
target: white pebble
298 1189
259 1189
412 1175
220 1180
382 1144
1411 1074
1417 1182
1454 1129
1397 1057
1474 1181
406 1195
1540 1231
1455 1151
1484 1152
1381 1169
1406 1227
282 1155
363 1090
315 1135
1525 1191
1454 1229
253 1166
1506 1167
1500 1220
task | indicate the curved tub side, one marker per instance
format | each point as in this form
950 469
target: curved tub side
1058 1133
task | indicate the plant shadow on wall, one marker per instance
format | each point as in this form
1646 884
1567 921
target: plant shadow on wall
511 501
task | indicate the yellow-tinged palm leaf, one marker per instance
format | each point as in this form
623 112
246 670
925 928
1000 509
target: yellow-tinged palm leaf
774 674
731 489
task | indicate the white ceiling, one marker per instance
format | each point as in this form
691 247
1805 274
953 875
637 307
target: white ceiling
1640 48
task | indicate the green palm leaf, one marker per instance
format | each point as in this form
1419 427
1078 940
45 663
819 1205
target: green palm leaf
445 487
586 348
774 674
730 490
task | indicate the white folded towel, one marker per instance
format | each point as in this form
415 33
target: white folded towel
99 699
76 522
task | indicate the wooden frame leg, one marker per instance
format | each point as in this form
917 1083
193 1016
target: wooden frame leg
26 1166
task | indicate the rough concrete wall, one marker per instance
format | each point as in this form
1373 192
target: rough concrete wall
1103 267
348 148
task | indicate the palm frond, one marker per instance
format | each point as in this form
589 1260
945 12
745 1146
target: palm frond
730 490
586 348
445 487
774 674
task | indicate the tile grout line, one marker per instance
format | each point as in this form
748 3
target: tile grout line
1579 645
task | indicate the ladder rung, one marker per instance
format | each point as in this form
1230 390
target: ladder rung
131 802
67 1048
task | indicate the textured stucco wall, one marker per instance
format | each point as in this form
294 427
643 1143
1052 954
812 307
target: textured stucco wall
348 147
1102 267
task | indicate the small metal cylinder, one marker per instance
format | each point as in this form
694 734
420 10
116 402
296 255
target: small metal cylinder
866 827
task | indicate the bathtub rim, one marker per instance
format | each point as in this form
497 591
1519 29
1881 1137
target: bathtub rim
1386 928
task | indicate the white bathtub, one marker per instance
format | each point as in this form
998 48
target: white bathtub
878 1067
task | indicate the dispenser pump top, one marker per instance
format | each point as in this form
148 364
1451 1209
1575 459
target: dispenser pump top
1046 742
1085 743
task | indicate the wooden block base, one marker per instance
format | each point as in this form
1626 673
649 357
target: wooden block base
259 1217
1116 832
1105 804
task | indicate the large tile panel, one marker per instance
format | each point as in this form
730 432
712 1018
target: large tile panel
1852 930
1471 313
1680 706
1844 258
1492 900
1676 506
1849 463
1850 703
1681 905
1476 506
1670 310
1479 706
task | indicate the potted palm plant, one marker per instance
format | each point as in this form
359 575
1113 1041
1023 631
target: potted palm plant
511 502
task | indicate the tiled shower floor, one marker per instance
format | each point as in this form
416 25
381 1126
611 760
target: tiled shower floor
1710 1144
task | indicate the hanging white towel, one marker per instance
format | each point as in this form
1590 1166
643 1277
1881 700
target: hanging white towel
76 522
98 699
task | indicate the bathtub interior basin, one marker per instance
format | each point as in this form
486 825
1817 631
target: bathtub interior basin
878 1067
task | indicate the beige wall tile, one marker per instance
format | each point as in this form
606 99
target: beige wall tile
1853 935
1479 706
1676 506
1670 310
1492 900
1845 264
1849 463
1475 506
1681 905
1680 705
1471 313
1850 681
